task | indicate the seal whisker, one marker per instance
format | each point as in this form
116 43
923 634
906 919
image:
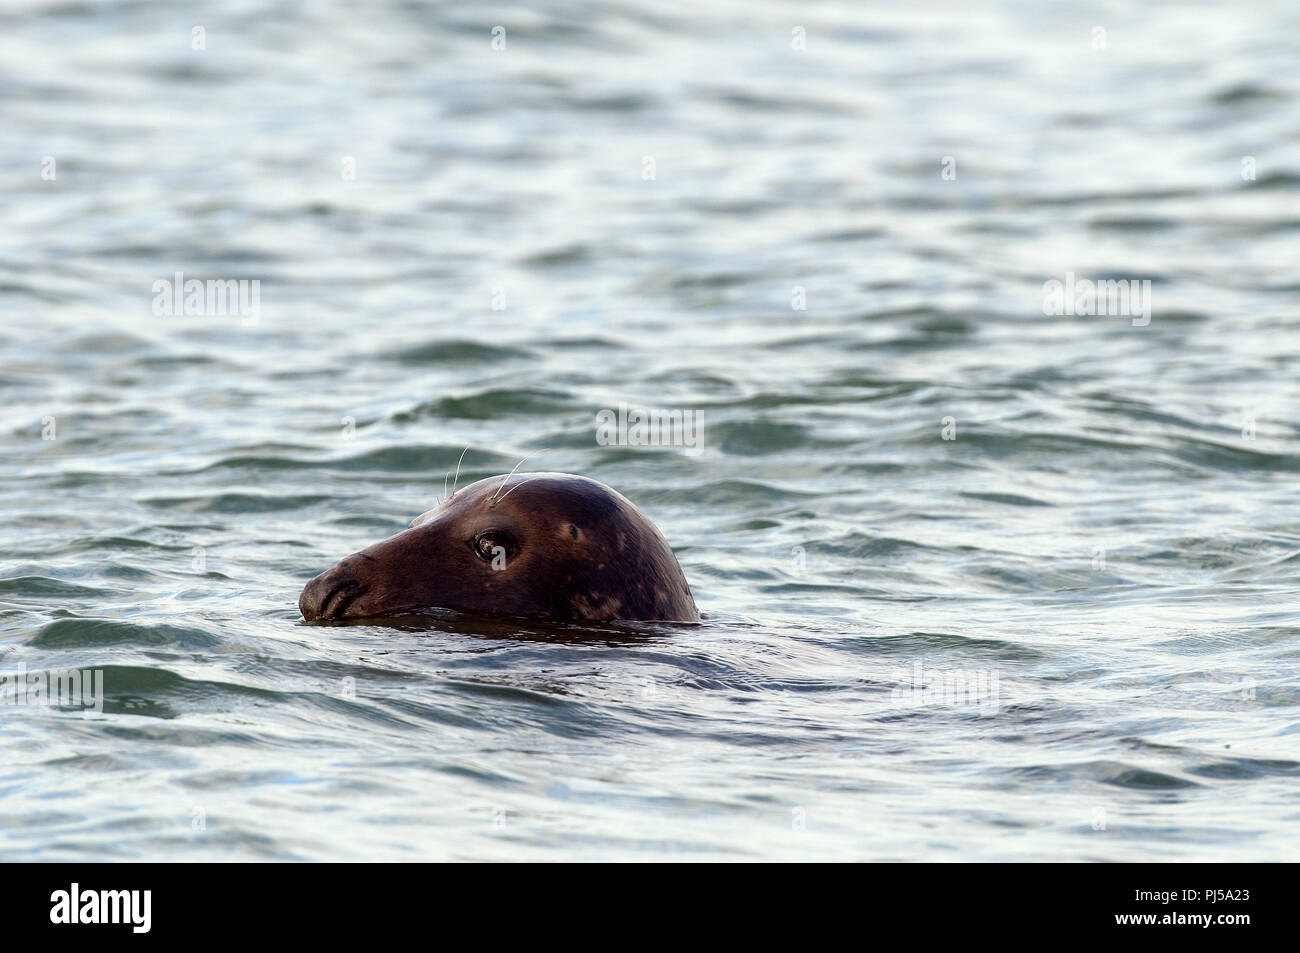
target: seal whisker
512 472
457 480
512 489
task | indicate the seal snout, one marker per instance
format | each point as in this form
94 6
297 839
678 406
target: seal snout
329 594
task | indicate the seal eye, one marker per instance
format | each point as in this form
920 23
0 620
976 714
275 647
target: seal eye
492 543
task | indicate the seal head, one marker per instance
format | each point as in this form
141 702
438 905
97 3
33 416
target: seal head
547 545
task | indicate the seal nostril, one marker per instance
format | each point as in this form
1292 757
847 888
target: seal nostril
329 594
339 598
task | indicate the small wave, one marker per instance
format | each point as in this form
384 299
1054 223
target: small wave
91 633
456 351
489 404
1117 774
237 502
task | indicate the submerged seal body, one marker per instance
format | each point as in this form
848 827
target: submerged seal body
547 545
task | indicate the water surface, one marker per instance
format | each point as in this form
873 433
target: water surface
461 246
